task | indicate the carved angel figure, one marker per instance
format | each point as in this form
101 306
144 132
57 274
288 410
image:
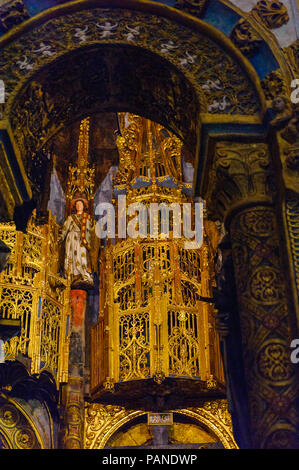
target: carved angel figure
132 32
107 29
81 34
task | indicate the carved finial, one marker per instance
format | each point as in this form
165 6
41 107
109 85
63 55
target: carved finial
81 176
272 13
147 151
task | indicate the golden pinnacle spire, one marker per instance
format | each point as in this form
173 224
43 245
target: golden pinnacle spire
81 176
153 324
83 144
149 156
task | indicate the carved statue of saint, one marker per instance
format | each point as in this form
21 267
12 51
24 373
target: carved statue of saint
283 111
77 235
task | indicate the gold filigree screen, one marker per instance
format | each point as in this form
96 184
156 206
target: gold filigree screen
153 322
32 290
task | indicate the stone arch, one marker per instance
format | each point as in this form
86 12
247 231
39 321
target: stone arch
69 32
102 422
215 16
39 415
106 78
18 427
69 27
222 87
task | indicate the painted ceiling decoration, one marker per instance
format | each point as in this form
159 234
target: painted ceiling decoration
101 26
221 26
222 15
110 329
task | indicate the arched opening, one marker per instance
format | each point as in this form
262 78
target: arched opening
199 428
102 79
28 409
184 433
224 85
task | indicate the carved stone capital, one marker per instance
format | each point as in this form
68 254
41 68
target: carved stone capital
240 176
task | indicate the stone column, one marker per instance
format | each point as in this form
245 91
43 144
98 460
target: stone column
240 191
74 413
74 391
